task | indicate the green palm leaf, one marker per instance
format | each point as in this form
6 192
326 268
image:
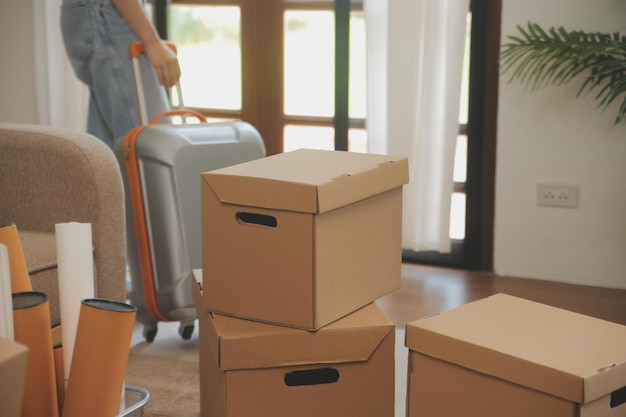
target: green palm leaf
538 58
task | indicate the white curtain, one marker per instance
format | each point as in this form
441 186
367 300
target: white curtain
415 59
61 99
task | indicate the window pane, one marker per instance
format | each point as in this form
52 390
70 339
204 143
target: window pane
312 137
316 137
457 216
309 63
209 52
460 159
357 140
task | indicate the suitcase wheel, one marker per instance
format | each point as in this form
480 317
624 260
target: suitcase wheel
186 329
149 332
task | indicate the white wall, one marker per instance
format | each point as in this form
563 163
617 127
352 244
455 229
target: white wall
549 135
17 72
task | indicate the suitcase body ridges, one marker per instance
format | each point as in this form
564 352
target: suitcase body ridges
163 196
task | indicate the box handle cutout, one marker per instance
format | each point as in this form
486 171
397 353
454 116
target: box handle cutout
256 219
312 377
618 397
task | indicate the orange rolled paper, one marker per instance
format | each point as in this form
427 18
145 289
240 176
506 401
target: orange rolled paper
101 351
20 280
31 320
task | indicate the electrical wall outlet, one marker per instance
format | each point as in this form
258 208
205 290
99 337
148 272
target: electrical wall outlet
557 195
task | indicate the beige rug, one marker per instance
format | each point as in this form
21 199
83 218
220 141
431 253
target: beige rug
173 385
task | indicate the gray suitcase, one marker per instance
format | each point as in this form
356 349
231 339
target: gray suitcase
161 166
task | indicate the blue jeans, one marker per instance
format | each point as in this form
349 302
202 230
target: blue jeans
96 39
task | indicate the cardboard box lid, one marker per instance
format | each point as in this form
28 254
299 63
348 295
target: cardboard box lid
569 355
242 344
307 180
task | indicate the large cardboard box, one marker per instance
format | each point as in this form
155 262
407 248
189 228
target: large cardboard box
507 356
12 377
250 368
302 238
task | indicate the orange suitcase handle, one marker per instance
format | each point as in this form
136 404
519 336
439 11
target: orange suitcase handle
179 112
145 261
136 48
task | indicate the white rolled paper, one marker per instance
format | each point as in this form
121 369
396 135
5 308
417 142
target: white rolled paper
6 303
76 280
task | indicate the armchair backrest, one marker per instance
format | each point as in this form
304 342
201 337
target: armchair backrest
51 175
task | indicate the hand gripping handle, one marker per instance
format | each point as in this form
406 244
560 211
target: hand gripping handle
135 49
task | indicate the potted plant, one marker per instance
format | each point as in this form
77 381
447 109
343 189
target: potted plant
538 57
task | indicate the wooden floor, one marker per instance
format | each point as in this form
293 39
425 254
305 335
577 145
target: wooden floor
429 290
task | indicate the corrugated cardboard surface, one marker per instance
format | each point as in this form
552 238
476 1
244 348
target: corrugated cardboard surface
244 365
309 269
358 255
244 344
308 180
566 355
442 389
12 376
364 389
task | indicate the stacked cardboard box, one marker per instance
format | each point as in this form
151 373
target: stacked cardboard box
507 356
296 248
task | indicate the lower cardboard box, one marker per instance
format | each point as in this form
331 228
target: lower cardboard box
507 356
250 368
12 377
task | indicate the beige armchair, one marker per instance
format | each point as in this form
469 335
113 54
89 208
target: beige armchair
50 175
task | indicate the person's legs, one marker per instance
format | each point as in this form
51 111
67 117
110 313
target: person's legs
113 86
94 62
96 124
97 38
